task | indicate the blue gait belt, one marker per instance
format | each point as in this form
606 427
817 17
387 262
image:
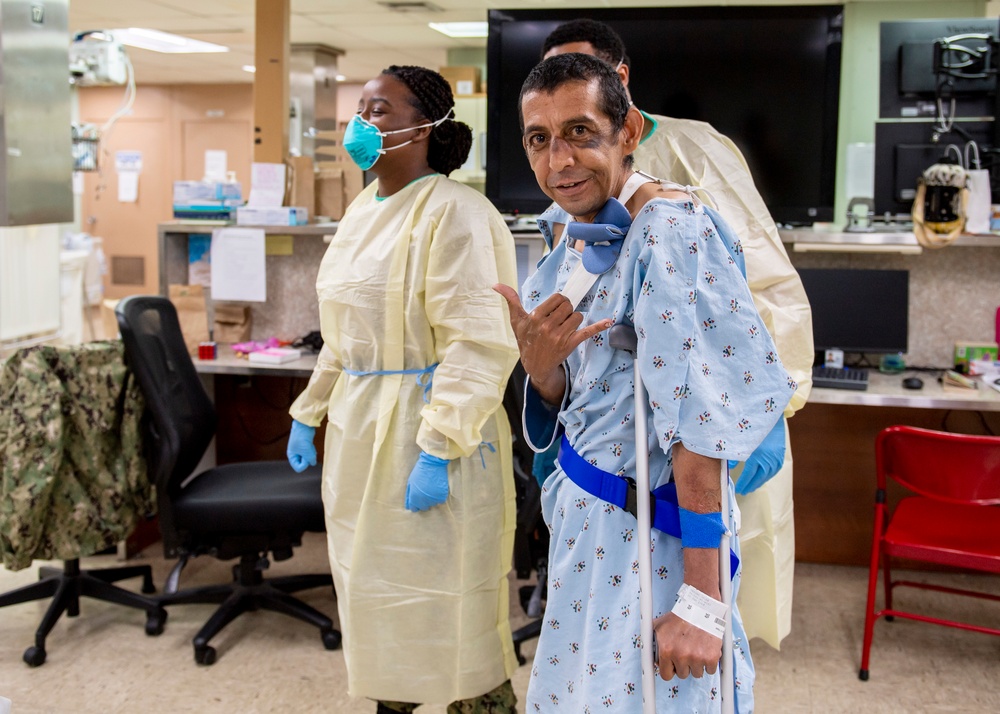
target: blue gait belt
620 491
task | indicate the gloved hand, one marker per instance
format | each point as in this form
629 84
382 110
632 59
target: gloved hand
301 450
764 462
428 483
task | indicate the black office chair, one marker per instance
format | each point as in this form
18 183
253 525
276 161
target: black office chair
82 394
244 510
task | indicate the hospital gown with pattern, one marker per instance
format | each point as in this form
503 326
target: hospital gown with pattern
715 384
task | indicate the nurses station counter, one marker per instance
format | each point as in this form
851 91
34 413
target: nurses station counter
832 437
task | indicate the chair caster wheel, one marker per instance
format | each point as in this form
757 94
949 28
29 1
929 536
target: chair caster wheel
34 656
155 620
890 618
204 655
331 639
147 586
863 675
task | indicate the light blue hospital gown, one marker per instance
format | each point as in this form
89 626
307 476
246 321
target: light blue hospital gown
714 382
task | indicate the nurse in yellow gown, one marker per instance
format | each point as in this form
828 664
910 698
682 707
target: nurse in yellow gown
417 475
693 153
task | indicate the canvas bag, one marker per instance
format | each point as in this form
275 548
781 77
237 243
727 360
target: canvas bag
980 208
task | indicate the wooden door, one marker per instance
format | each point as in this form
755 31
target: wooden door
129 228
231 135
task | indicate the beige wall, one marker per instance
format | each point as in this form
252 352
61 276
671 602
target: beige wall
172 126
348 96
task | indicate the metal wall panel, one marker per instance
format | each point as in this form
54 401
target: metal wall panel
312 85
35 142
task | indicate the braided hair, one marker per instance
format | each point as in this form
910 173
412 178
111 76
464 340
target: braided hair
450 141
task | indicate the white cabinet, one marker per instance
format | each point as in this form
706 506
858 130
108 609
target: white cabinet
472 111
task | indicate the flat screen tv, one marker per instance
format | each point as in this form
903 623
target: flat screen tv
767 77
858 310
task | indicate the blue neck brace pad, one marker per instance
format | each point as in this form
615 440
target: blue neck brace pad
603 237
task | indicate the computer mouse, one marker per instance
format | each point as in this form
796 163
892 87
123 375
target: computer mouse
913 383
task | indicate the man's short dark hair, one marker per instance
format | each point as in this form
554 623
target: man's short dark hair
548 75
606 42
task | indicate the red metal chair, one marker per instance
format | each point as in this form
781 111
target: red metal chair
950 518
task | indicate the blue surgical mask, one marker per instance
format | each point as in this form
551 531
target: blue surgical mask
363 140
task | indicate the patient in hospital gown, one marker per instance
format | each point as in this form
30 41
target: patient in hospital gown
715 383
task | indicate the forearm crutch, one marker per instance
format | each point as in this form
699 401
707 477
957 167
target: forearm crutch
726 678
623 337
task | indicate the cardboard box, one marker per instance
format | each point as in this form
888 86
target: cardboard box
275 355
463 80
302 187
273 216
228 193
966 352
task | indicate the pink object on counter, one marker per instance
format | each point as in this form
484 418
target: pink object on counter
252 346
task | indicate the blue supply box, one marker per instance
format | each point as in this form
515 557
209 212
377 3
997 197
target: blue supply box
215 200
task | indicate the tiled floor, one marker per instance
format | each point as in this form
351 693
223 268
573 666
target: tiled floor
103 662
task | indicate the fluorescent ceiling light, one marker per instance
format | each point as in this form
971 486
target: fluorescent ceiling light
163 41
340 78
460 29
249 68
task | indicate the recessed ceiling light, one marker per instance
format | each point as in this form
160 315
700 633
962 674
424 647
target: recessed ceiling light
409 6
460 29
249 68
340 78
163 41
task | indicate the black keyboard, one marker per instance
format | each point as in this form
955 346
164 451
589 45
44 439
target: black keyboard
833 378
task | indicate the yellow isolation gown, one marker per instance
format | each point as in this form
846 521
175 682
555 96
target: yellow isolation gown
406 283
693 153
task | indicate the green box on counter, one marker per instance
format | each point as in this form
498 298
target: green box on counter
966 352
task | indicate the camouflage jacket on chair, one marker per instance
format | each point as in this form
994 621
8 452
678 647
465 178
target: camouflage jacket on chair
72 474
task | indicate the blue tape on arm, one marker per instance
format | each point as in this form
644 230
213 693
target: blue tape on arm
701 530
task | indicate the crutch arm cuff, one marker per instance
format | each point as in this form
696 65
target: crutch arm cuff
701 530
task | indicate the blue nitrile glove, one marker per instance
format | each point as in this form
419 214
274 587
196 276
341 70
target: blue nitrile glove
428 483
764 462
301 450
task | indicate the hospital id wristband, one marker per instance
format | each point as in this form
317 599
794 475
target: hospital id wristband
698 609
701 530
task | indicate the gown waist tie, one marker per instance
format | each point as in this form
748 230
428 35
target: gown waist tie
620 491
425 379
425 376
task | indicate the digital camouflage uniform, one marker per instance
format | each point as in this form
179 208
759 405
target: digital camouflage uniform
501 700
73 478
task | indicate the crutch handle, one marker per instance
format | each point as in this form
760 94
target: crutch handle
623 337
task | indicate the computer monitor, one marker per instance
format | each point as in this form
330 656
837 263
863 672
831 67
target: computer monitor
766 77
858 310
